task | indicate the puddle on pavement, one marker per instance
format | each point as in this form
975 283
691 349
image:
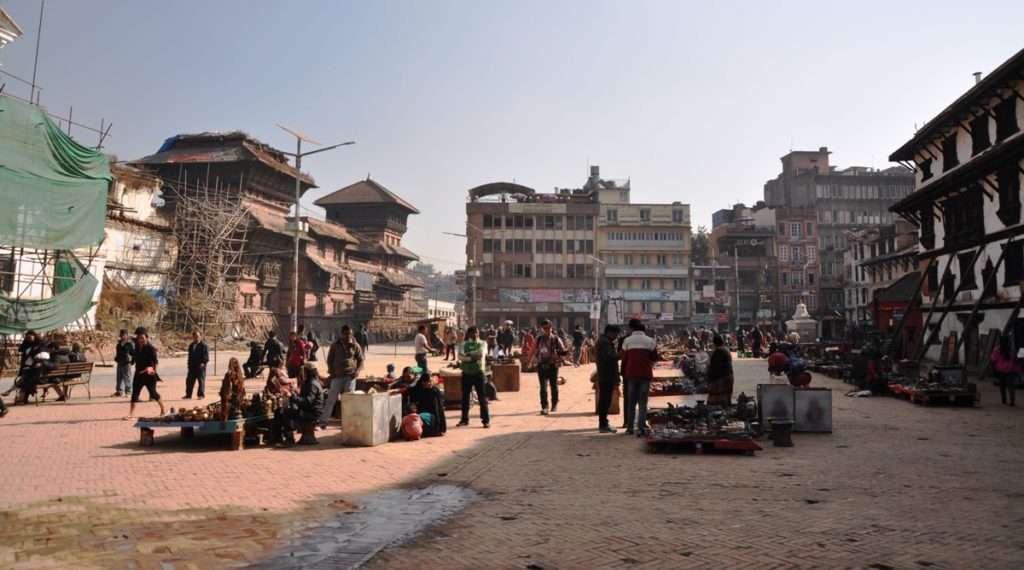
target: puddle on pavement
332 533
385 519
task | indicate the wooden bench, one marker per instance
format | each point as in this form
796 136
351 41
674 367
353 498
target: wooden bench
67 376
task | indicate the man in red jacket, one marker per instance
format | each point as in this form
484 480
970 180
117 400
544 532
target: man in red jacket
639 353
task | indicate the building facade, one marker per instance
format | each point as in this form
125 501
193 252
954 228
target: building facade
815 203
531 256
645 250
234 273
745 239
968 162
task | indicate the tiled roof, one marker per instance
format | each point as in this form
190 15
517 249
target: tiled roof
365 192
331 229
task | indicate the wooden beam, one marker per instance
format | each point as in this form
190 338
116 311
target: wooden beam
950 302
916 296
984 286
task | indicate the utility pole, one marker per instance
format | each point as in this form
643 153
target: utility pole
297 225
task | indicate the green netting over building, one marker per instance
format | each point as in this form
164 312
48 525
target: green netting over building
53 193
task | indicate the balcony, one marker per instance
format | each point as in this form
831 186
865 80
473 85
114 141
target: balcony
646 271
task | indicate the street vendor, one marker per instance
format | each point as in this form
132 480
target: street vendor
232 389
305 407
720 374
428 402
279 383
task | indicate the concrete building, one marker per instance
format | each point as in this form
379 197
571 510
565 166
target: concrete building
646 253
531 256
877 258
815 203
968 162
745 239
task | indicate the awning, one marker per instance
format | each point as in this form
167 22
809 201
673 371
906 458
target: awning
400 280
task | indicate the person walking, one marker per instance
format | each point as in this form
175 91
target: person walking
720 374
312 345
547 354
273 351
146 361
363 339
639 353
607 358
472 357
422 347
755 341
450 339
344 362
124 356
577 345
198 357
741 343
1004 362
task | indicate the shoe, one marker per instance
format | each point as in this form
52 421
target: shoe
286 443
554 407
200 397
607 429
323 426
487 425
641 433
462 423
629 431
5 411
543 411
61 399
128 417
308 442
186 397
115 395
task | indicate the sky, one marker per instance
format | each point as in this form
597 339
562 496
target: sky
692 101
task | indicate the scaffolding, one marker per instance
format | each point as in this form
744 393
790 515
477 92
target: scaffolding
210 227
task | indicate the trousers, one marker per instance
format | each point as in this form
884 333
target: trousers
636 402
548 376
474 382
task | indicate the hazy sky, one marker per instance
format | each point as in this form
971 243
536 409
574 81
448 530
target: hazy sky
693 101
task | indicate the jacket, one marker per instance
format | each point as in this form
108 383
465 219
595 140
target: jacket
721 363
639 353
1004 365
607 361
310 400
198 353
124 353
344 359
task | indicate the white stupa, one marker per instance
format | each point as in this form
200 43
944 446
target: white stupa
802 323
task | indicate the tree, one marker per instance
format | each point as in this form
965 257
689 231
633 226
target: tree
700 247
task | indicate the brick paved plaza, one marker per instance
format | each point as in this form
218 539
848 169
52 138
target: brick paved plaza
895 486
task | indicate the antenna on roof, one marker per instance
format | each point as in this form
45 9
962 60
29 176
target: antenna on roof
367 175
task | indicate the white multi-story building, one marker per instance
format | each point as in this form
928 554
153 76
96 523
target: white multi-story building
969 160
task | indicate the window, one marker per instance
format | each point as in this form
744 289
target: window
509 246
794 229
677 216
338 258
783 253
7 273
612 215
517 221
927 227
320 307
321 248
645 283
645 259
628 259
529 221
337 307
967 272
963 218
488 221
719 284
782 228
487 246
949 156
662 259
645 215
1006 118
1008 182
644 306
979 134
679 284
926 169
810 253
810 229
570 223
248 300
613 284
810 279
785 278
508 222
1013 263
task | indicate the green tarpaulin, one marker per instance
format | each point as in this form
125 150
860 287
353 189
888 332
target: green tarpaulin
53 191
53 196
75 289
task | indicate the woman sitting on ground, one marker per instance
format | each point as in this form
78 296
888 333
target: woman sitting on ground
429 404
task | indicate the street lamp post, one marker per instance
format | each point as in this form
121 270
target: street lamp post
595 316
471 272
299 137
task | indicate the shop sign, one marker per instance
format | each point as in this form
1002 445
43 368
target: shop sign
514 295
666 316
709 291
536 208
648 295
546 295
897 314
542 308
576 307
723 318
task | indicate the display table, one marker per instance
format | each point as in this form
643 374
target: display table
370 419
237 429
